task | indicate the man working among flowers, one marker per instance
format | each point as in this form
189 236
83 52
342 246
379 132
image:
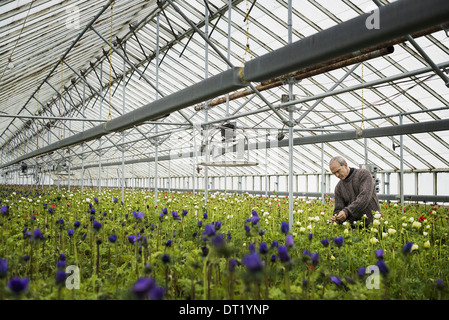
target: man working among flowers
355 193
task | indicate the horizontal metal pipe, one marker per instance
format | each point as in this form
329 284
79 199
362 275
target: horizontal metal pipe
331 93
410 128
387 197
302 74
21 116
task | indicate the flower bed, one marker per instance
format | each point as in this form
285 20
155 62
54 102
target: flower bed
82 245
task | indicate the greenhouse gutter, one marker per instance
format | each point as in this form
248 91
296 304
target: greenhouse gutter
380 196
396 19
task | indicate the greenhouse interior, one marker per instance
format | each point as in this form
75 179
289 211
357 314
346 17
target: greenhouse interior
183 150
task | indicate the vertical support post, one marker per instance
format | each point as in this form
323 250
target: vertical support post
169 175
82 146
387 179
366 150
323 181
149 176
227 94
290 130
206 75
99 139
49 177
240 185
195 159
401 139
123 133
156 97
416 183
435 183
266 165
69 174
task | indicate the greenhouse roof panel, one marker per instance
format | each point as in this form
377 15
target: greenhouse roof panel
36 35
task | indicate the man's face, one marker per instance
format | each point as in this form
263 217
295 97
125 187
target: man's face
340 171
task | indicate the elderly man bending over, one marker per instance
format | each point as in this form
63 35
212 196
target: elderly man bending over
355 193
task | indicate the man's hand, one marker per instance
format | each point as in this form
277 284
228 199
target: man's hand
340 217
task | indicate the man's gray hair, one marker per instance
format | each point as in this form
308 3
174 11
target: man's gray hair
339 159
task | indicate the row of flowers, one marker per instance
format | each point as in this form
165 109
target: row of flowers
233 247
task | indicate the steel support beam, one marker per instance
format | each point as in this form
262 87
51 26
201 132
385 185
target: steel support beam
397 19
410 128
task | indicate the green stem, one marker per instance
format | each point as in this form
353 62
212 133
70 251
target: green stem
98 257
137 264
31 261
205 278
339 262
287 282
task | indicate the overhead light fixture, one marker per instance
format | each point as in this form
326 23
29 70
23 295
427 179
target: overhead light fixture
24 167
280 136
10 63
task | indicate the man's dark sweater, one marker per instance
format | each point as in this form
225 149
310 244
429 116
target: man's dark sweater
356 195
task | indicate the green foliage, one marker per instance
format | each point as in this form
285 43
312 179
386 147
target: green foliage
198 266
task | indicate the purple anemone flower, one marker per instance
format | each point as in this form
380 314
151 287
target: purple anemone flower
60 276
263 248
18 285
113 238
253 262
338 241
361 272
209 230
142 287
138 215
175 215
205 251
37 234
325 242
382 267
380 254
157 293
132 239
407 248
96 225
289 240
336 280
315 258
283 254
284 227
3 268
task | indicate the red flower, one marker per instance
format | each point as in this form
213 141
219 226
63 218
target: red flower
26 217
53 206
36 214
68 204
421 218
